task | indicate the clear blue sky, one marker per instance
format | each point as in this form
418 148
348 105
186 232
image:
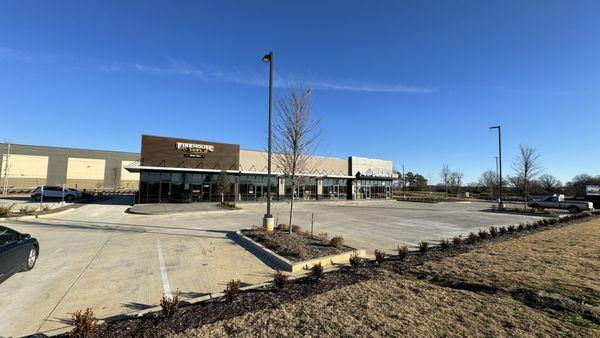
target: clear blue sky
412 81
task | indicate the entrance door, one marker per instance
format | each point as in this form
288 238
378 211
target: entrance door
259 192
206 192
367 193
388 192
336 192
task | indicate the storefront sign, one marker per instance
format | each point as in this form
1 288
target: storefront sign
194 147
194 155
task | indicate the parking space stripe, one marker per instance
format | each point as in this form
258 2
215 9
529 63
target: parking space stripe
163 270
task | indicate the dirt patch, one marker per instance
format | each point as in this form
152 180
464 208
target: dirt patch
297 246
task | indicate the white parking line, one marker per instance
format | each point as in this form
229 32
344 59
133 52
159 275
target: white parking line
163 270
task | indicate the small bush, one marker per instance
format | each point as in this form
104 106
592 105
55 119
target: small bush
402 252
423 247
444 243
355 260
493 231
46 207
170 305
232 290
282 227
457 240
317 271
337 241
482 234
5 209
502 230
511 228
379 257
84 323
521 227
296 229
323 236
26 210
280 279
472 238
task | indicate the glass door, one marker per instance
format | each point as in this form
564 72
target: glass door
206 190
259 192
336 191
367 192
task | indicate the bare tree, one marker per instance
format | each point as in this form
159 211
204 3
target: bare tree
489 181
455 181
549 183
527 167
445 176
295 137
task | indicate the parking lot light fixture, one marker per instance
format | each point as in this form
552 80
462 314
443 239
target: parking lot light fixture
268 221
500 198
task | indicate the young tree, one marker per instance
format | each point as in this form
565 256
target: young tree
489 181
445 176
549 183
295 137
455 181
223 185
527 167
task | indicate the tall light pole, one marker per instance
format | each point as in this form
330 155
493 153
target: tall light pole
500 200
497 175
6 167
268 221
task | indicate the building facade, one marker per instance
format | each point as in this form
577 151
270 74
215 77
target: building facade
181 170
24 167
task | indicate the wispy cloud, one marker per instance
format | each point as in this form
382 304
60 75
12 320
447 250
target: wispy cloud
213 74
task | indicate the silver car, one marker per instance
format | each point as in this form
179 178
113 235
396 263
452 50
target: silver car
56 192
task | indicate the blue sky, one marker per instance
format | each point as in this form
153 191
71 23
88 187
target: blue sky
412 81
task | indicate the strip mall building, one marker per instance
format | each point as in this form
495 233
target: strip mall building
181 170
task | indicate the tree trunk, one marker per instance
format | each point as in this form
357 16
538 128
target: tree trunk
222 198
291 210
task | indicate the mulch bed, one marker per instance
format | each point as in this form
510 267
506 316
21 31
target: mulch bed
154 324
295 247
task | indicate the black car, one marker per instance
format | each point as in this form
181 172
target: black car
18 252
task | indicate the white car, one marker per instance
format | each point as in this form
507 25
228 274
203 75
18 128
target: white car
55 192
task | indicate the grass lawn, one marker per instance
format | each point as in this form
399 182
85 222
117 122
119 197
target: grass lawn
473 294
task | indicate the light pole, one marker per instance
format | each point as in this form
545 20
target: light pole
500 200
268 218
497 176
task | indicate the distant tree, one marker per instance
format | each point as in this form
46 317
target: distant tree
455 181
420 182
223 185
295 136
445 176
489 182
549 183
527 167
579 183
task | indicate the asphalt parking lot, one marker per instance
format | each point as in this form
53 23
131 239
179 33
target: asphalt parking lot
115 262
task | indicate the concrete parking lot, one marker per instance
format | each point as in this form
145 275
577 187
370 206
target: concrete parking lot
101 257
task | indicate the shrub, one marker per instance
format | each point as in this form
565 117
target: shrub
323 236
511 228
423 247
444 243
457 240
502 230
402 252
26 210
296 229
521 227
232 290
84 323
472 238
482 234
46 207
280 279
282 227
355 260
317 271
170 305
379 257
337 241
5 209
493 231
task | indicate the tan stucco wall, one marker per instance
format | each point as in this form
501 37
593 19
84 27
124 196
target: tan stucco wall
378 167
126 175
251 160
85 169
26 166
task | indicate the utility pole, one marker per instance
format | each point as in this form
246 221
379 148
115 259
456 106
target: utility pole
5 183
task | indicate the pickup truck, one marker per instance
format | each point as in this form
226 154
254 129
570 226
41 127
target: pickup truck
556 202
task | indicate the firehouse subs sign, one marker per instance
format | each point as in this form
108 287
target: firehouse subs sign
194 147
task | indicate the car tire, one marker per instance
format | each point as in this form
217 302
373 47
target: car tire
69 198
31 258
573 209
37 197
535 206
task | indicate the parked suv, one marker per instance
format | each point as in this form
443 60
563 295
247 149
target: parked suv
55 192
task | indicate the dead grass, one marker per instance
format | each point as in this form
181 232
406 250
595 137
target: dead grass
564 261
